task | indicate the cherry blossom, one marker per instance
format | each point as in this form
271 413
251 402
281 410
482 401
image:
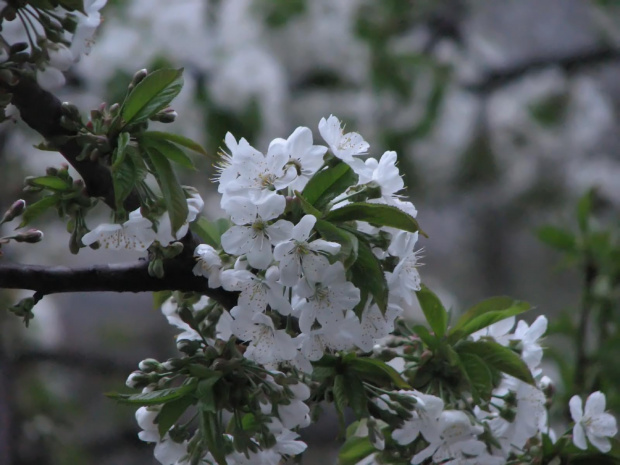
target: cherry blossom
593 423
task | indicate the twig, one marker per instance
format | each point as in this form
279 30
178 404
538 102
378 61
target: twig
41 110
120 277
569 63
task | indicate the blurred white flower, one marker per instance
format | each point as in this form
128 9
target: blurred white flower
593 423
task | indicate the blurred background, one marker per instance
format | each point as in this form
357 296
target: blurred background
503 114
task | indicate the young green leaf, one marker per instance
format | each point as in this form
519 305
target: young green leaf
118 156
340 398
171 412
557 238
174 197
479 374
434 311
348 242
356 395
368 274
154 397
50 182
486 313
177 139
354 450
383 215
210 231
169 150
159 297
307 207
377 371
327 184
431 341
152 94
498 357
37 209
124 178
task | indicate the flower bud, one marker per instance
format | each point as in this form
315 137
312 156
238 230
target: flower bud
148 365
137 380
70 111
14 211
137 78
31 236
114 109
165 116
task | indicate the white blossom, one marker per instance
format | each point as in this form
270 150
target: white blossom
298 257
267 344
457 440
208 264
593 423
304 157
328 300
343 146
253 235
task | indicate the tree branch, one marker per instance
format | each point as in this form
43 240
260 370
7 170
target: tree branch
41 110
120 277
569 63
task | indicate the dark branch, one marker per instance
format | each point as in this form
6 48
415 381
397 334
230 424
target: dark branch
121 277
41 110
569 63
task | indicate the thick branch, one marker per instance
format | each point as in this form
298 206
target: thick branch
121 277
569 63
41 110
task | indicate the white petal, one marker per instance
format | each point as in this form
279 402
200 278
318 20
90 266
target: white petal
595 404
576 408
579 437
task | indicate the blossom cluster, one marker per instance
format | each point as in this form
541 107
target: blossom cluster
287 255
284 269
497 431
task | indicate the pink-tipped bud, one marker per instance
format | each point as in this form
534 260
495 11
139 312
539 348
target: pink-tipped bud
31 236
16 209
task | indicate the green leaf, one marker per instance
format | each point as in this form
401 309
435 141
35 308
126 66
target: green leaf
431 341
557 238
177 139
307 207
479 374
118 156
212 433
159 297
498 357
486 313
383 215
340 398
368 274
434 311
368 368
356 395
210 231
327 184
354 450
174 197
205 392
152 94
169 150
51 182
348 242
37 209
124 178
155 397
171 412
